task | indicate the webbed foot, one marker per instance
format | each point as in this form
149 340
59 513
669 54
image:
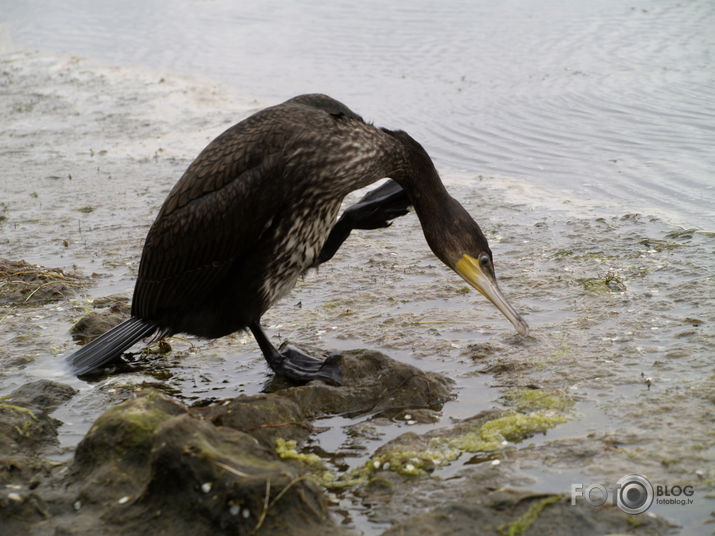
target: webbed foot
378 207
298 366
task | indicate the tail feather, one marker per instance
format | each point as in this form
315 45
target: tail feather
110 345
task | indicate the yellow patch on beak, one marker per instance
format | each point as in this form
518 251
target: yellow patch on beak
471 271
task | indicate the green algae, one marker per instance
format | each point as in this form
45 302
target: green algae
287 450
660 245
563 252
513 427
522 523
131 424
23 430
489 437
597 285
20 409
536 399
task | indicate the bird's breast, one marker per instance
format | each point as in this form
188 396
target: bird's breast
297 239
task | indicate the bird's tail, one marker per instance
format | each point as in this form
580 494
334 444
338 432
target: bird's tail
109 345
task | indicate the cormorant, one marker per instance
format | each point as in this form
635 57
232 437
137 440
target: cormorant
257 208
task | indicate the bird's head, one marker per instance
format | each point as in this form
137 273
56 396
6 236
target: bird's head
452 234
459 242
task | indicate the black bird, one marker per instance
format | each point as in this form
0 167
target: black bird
258 207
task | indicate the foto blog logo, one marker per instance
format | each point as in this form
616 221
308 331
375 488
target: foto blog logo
633 494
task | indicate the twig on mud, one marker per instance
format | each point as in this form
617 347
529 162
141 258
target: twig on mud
267 507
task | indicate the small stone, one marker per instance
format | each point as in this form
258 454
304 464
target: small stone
407 417
409 467
124 500
495 462
376 464
206 487
14 497
246 513
386 466
234 510
411 421
77 505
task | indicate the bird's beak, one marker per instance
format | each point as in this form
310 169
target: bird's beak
468 267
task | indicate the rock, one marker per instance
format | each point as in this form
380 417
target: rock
113 310
223 480
27 431
514 513
265 417
482 494
42 394
25 426
152 465
372 383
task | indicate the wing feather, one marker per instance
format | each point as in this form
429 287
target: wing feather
209 220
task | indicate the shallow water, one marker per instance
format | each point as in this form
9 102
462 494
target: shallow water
561 218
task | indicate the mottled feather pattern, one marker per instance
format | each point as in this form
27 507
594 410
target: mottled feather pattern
226 218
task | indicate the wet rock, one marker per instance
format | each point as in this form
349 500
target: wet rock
113 310
23 283
25 424
27 431
18 470
372 383
265 417
42 394
489 491
152 465
511 513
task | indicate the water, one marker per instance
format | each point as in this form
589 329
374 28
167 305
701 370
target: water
580 137
605 100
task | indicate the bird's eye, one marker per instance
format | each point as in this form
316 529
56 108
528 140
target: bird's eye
484 261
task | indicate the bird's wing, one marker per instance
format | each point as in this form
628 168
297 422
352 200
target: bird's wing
214 215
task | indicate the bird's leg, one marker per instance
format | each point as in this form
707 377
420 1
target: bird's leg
373 211
295 364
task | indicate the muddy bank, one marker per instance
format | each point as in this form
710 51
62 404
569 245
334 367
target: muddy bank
152 464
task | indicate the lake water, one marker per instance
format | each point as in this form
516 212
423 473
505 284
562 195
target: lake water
608 101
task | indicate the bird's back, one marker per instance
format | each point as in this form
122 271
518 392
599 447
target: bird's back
255 205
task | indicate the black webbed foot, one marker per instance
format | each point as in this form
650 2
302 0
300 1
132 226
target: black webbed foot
375 210
378 207
298 366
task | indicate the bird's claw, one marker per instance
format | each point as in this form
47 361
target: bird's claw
300 367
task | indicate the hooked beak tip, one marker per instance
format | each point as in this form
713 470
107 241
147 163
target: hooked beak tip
470 270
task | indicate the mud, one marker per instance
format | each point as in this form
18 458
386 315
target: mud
618 367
